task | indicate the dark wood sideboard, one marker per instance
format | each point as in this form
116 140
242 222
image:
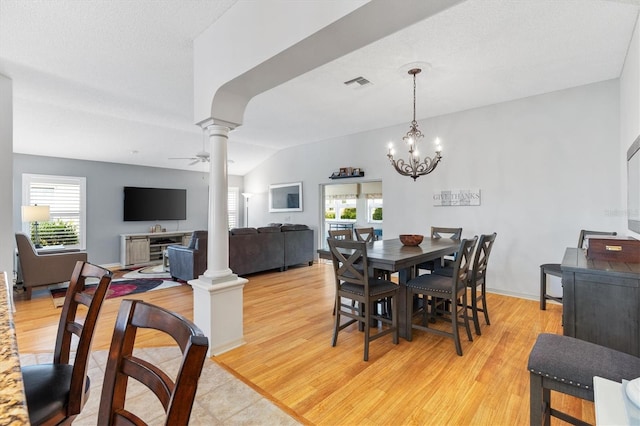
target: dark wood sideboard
601 301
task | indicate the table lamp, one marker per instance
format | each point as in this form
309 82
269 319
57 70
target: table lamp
35 214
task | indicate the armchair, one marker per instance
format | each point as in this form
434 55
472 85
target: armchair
188 263
44 269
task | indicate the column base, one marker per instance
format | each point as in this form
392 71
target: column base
218 311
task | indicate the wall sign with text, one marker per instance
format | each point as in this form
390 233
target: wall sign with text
457 197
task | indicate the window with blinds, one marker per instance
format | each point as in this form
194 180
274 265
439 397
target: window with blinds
66 198
232 206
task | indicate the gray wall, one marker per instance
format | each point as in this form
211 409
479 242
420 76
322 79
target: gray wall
547 166
105 182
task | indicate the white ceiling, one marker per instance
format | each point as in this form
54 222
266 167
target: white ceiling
99 79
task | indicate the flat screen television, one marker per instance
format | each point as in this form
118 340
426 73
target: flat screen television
153 204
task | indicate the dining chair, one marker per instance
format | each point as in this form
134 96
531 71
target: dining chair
446 296
477 279
353 282
341 234
555 270
365 234
57 392
438 232
175 395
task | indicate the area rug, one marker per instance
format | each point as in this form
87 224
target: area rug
154 271
116 289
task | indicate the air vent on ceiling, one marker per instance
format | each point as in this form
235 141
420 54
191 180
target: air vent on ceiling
357 82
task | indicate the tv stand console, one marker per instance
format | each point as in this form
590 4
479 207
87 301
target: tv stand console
146 248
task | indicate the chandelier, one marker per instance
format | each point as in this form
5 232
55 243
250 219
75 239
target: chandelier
415 167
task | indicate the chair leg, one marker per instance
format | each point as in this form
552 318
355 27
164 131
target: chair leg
543 289
465 316
394 318
539 402
485 311
456 333
474 309
336 328
367 329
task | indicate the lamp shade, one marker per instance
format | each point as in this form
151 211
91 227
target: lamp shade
35 213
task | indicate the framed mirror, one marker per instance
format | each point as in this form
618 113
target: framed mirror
285 197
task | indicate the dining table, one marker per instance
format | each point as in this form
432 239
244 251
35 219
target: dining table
393 256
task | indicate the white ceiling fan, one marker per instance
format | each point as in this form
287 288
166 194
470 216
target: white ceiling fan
199 157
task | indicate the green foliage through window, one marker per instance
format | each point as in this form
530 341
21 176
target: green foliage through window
377 214
348 213
56 233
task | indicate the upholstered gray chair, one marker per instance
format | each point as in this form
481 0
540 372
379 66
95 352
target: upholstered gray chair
43 269
567 365
188 263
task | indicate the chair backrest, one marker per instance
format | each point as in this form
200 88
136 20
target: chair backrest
462 265
365 234
198 240
26 250
452 233
584 235
80 292
349 261
341 234
481 258
175 396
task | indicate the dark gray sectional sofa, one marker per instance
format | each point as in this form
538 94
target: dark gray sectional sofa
271 247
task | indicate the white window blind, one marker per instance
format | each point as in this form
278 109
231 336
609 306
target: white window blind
232 206
65 196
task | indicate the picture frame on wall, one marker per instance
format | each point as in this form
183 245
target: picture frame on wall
285 197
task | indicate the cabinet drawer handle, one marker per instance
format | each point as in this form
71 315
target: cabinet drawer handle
613 248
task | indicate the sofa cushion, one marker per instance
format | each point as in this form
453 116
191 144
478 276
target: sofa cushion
285 228
275 224
264 229
243 231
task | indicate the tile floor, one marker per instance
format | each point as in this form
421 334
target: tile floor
222 399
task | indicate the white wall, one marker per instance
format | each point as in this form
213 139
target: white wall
6 175
544 164
629 111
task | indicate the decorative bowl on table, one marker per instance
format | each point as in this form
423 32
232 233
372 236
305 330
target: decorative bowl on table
411 239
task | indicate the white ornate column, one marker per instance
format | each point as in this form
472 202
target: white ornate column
217 294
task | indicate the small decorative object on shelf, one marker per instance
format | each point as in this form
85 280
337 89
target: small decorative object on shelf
347 172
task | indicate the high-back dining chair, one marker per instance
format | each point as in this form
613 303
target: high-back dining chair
176 396
477 279
57 392
445 295
341 234
555 270
354 283
365 234
438 232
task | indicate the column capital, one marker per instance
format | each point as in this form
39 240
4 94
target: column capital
211 122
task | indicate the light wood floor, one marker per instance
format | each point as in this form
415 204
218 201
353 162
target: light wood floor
288 356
